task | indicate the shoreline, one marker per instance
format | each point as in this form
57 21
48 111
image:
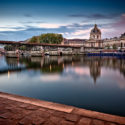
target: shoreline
71 110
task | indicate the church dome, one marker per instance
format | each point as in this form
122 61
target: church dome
95 33
96 30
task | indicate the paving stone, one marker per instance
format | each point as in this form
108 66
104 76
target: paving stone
32 107
84 121
23 105
14 113
7 122
7 115
26 121
49 123
42 109
71 117
18 116
55 120
2 111
38 121
108 123
50 111
97 122
58 113
64 122
41 113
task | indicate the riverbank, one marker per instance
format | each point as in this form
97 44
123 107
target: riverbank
16 109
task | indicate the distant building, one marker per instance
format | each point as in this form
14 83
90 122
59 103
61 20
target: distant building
74 41
122 36
95 33
95 40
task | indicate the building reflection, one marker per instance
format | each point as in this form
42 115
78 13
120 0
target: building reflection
57 64
95 69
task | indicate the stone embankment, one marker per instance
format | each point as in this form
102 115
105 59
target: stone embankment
39 53
18 110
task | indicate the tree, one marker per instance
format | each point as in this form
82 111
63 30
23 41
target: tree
9 48
107 46
23 47
114 46
34 39
51 38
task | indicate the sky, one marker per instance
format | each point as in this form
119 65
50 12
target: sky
22 19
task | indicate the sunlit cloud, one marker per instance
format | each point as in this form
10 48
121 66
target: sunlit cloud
81 32
49 25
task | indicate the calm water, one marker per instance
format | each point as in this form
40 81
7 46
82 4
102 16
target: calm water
92 83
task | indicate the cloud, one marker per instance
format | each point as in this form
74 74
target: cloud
49 25
27 15
26 29
31 22
121 22
114 29
81 32
95 16
11 28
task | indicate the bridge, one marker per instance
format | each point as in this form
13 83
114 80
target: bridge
20 43
40 49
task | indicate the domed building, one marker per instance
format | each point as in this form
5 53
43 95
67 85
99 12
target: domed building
94 41
95 33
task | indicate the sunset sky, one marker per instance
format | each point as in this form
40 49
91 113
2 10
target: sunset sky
22 19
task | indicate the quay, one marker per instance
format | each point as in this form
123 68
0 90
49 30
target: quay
19 110
39 50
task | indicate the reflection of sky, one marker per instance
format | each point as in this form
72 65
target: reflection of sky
113 77
3 64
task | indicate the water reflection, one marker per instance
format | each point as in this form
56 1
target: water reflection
55 64
92 83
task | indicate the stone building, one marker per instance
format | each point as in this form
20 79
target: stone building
95 33
95 38
78 42
95 41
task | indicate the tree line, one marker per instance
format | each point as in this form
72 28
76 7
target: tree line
50 38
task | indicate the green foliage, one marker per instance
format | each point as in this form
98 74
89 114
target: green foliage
114 46
34 39
50 38
22 47
107 46
9 48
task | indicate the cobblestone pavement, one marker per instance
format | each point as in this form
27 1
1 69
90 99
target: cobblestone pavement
18 113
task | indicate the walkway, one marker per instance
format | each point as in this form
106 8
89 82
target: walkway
18 110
